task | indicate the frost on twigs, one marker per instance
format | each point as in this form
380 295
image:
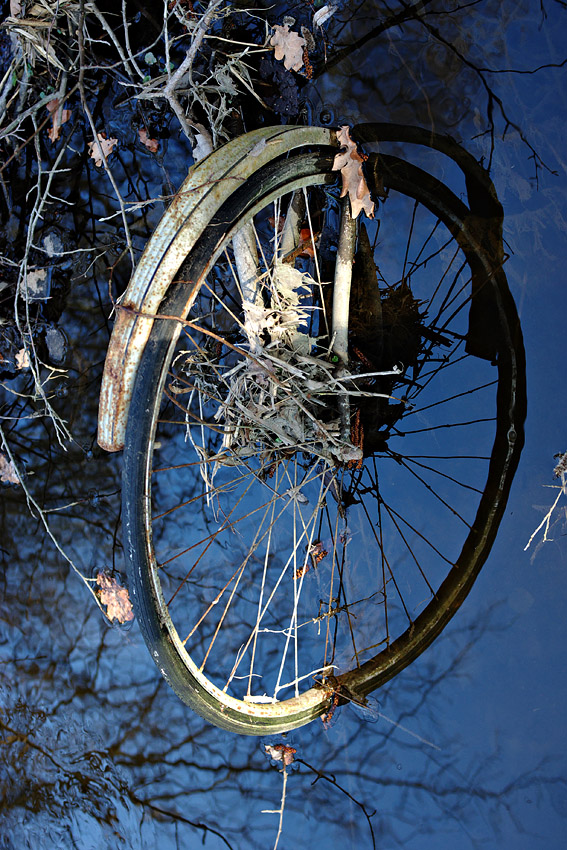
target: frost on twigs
288 46
106 145
8 474
115 598
349 163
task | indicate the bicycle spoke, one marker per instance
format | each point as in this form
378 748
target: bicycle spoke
453 397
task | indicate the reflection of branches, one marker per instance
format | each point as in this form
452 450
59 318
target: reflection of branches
179 818
168 767
523 71
333 781
420 13
36 510
465 789
409 12
449 793
438 779
178 771
88 782
493 99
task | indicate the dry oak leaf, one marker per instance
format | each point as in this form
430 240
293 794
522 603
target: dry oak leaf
8 472
107 146
58 118
115 598
349 163
281 752
288 46
151 144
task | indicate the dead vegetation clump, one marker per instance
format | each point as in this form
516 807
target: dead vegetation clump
84 88
65 68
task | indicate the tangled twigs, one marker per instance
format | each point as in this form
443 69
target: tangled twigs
99 147
35 510
186 67
43 198
184 73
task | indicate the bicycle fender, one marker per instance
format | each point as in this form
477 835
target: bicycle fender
208 185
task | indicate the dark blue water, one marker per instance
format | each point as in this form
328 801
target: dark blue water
97 752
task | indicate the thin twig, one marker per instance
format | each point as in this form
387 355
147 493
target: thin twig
279 811
547 519
101 153
332 781
35 510
186 68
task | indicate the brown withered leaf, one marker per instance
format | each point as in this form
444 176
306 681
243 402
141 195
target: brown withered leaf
116 599
8 472
288 46
349 163
107 146
151 144
58 117
317 552
281 752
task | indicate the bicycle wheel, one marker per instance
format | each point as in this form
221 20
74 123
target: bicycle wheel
275 560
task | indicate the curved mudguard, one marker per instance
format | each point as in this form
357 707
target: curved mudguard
207 186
